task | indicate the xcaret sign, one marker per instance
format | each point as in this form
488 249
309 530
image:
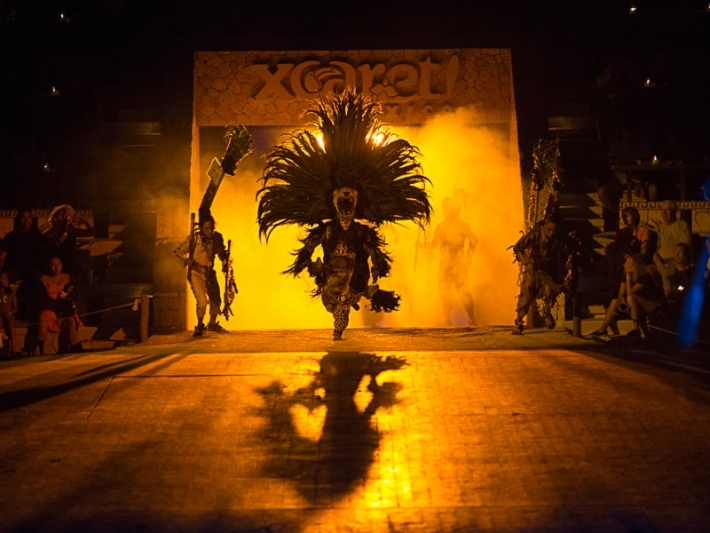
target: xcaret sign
400 82
273 88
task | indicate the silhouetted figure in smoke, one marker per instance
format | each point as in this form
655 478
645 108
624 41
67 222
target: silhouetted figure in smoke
457 243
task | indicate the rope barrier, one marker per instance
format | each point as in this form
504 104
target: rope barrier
134 305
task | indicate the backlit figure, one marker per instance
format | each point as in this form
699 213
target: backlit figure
456 243
342 182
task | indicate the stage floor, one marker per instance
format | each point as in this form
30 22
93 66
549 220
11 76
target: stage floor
389 430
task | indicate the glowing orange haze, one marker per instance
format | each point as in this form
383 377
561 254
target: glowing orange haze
476 165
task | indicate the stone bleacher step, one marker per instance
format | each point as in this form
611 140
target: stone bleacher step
579 198
597 310
86 332
580 205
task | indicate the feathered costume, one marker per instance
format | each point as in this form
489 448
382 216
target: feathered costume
342 182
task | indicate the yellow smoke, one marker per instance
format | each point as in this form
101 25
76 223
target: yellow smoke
477 165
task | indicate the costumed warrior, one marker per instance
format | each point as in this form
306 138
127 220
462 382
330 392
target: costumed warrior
542 259
198 250
550 260
343 186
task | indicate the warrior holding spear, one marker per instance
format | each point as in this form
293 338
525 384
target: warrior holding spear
198 250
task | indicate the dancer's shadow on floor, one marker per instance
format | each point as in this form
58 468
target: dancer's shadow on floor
321 437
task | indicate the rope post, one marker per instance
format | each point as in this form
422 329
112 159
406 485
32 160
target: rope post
576 315
145 314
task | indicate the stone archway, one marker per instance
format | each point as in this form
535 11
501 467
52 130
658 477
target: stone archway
269 90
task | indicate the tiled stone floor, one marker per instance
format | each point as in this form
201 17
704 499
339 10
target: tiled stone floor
220 436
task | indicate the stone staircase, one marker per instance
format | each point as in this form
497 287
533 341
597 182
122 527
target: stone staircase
581 212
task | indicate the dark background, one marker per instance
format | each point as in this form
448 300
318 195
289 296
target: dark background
122 74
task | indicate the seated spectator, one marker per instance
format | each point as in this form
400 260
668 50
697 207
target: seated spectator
8 308
634 238
638 297
21 257
678 281
678 275
671 231
59 239
58 311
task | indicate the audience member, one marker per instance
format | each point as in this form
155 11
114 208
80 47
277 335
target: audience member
21 257
671 231
59 239
58 312
8 309
678 280
638 297
678 274
634 238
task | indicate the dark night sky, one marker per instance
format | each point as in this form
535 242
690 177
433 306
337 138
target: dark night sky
111 54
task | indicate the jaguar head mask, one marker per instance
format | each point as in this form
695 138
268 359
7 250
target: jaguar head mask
345 201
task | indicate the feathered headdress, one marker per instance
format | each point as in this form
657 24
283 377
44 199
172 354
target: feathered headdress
546 180
350 148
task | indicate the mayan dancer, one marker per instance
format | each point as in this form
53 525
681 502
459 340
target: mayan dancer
341 183
551 259
197 252
542 258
